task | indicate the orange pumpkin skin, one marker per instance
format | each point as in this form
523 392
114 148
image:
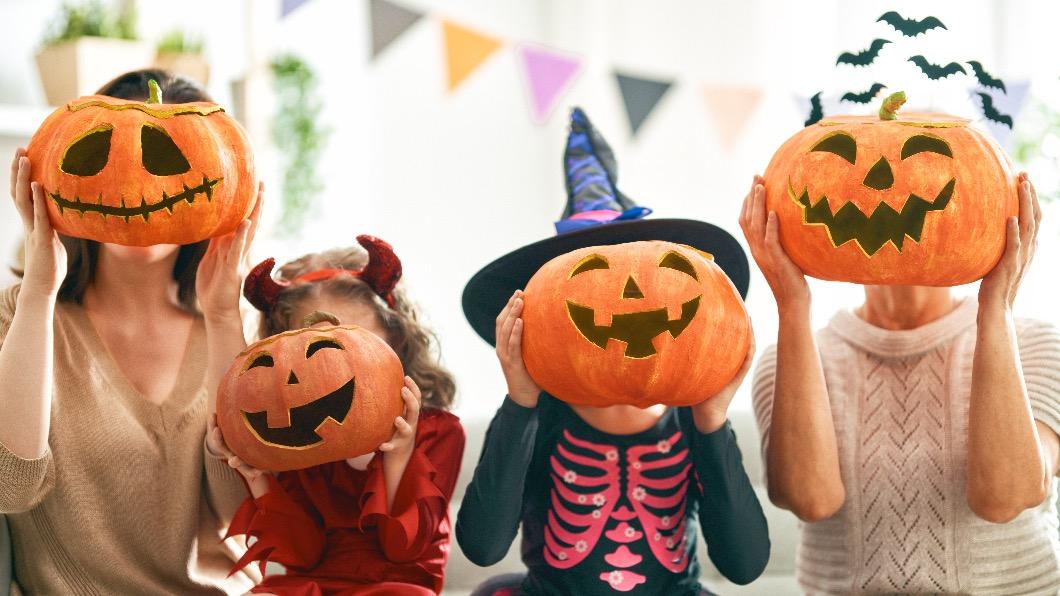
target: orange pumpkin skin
295 381
707 352
958 244
124 202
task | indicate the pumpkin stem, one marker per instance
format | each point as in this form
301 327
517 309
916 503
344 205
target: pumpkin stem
319 316
155 92
889 109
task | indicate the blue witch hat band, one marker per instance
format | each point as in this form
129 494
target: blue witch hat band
596 213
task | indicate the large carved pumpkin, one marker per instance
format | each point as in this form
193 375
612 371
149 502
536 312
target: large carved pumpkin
310 396
920 199
639 323
142 173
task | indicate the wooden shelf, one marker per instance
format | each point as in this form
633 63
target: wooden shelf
21 121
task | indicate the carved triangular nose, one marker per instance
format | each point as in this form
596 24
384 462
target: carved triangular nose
631 290
292 379
880 176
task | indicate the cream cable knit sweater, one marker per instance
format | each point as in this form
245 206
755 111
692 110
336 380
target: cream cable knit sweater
900 404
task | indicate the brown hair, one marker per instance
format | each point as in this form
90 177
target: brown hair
415 344
82 255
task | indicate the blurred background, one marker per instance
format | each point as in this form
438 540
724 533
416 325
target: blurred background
439 125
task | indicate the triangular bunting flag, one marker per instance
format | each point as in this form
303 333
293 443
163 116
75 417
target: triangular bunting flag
389 21
731 108
640 97
549 74
1003 104
465 50
289 6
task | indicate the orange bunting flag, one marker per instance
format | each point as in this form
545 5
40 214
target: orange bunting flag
465 50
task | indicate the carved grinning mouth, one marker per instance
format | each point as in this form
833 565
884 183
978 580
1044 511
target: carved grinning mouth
144 209
304 420
636 329
873 231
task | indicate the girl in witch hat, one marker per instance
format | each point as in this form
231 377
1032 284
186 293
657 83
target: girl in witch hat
376 524
572 542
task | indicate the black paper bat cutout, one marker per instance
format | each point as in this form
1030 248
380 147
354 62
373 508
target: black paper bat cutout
936 72
984 77
816 113
991 112
910 27
865 96
864 57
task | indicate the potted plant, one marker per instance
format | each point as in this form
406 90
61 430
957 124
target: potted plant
87 45
181 53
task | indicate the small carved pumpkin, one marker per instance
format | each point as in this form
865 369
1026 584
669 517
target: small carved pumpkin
142 173
639 323
917 199
310 396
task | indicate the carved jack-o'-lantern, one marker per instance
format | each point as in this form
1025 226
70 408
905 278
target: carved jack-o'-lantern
142 173
310 396
639 323
900 199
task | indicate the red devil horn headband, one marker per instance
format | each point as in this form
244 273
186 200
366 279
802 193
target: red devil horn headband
381 274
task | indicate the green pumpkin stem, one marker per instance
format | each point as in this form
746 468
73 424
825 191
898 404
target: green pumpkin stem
889 109
155 92
319 316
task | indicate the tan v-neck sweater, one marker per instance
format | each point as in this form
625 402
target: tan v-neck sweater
126 500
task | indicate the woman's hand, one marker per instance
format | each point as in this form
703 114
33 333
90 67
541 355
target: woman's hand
45 254
999 287
710 414
404 440
760 228
220 273
521 388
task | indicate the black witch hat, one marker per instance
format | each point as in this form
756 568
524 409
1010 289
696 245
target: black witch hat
597 213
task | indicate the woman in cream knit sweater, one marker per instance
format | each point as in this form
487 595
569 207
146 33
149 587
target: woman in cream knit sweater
104 473
915 436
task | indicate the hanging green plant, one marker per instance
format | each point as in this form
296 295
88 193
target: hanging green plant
298 136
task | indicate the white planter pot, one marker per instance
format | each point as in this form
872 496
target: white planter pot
193 66
80 67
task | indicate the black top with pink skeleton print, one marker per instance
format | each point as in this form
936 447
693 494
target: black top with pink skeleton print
608 513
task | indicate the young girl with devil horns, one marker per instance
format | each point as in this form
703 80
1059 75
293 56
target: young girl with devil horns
376 524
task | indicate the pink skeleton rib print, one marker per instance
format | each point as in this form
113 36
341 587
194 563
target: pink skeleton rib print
624 503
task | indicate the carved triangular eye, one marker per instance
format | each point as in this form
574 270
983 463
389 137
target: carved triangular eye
88 155
161 155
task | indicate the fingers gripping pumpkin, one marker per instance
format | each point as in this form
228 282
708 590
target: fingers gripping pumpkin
310 396
142 173
910 199
638 323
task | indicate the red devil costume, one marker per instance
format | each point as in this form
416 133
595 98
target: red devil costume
328 525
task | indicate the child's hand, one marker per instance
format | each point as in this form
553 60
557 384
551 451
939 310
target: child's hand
215 442
404 440
710 414
521 388
220 273
45 254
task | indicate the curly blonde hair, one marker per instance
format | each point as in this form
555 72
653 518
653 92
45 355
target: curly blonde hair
415 344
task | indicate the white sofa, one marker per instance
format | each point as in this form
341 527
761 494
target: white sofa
778 579
462 575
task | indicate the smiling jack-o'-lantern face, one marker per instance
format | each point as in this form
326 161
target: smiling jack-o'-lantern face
918 200
142 173
638 323
310 396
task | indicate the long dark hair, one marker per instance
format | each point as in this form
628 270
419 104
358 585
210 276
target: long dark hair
82 255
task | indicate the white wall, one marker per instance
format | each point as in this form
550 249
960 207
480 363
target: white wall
454 180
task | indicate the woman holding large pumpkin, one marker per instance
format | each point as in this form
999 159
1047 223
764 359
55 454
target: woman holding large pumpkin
916 435
621 357
103 471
